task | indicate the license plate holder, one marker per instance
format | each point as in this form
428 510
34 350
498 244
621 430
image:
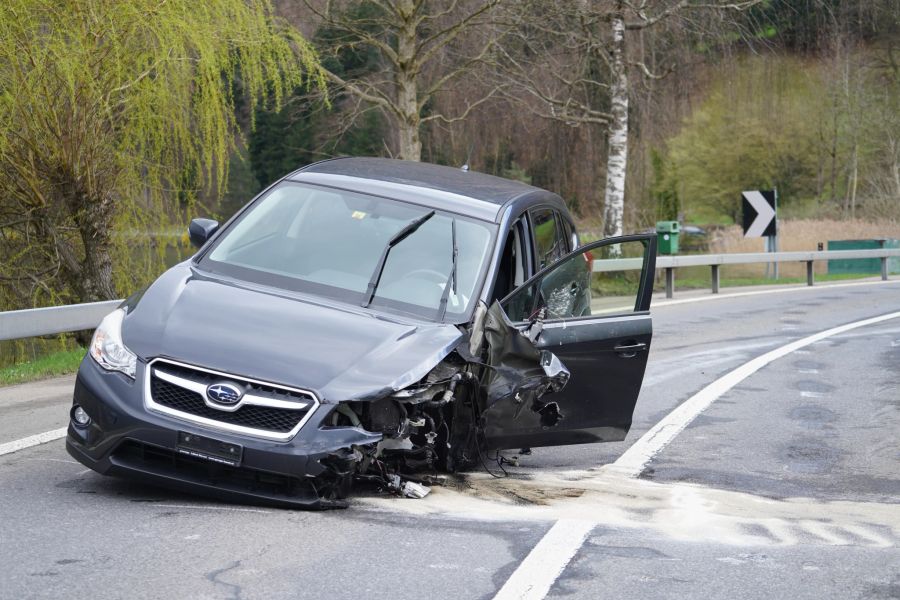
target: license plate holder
217 451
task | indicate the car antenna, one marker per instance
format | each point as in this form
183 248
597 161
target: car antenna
465 166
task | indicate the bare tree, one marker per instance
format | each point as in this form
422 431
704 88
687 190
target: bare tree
418 44
573 62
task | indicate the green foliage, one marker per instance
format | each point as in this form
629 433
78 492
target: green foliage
57 363
112 116
663 190
295 136
757 131
824 136
344 51
309 128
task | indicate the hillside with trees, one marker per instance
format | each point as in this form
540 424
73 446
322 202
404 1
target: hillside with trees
802 96
120 121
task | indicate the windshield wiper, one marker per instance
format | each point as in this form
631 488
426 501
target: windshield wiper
379 268
442 309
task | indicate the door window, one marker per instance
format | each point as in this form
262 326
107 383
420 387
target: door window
609 277
549 242
513 268
568 234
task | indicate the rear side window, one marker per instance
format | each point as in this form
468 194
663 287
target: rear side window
548 240
568 233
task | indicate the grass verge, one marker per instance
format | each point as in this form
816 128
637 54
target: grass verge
699 283
58 363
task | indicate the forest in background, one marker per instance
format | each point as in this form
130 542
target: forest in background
121 121
803 96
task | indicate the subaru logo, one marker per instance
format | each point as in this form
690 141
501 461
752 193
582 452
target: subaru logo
224 393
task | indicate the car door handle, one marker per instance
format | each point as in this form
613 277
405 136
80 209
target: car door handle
630 350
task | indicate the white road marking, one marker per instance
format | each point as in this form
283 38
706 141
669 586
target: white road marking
786 289
636 458
545 563
59 460
868 535
32 440
207 507
535 576
826 531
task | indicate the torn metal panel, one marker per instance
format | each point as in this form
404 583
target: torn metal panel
518 380
397 363
519 372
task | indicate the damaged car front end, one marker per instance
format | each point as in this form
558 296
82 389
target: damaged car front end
364 321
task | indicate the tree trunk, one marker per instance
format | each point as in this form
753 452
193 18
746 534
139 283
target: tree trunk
410 146
854 175
834 150
614 204
406 79
92 276
895 167
92 211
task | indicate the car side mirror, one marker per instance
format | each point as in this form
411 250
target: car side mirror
201 230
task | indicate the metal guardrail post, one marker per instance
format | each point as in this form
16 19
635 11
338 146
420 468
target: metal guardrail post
884 268
670 282
810 275
715 279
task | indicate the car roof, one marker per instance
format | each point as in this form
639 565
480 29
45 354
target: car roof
467 192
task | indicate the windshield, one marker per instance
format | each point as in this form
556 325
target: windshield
328 242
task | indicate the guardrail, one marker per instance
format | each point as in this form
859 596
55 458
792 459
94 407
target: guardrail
715 261
52 320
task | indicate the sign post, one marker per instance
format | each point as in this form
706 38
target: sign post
759 219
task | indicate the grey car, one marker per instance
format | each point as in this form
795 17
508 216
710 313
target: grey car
367 320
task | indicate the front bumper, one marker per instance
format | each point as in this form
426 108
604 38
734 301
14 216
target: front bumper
124 438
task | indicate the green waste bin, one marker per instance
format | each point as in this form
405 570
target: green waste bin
667 237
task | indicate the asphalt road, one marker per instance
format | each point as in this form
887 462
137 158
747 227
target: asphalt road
787 485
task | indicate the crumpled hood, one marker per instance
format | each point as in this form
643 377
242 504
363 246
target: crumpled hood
339 353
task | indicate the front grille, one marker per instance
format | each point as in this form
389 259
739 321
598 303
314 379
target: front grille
189 403
256 417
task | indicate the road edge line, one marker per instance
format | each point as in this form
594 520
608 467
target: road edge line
634 460
32 440
535 575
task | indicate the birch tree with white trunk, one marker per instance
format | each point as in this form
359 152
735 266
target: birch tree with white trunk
572 63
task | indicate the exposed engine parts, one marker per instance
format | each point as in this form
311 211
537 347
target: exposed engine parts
437 424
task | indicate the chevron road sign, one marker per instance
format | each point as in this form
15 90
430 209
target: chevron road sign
759 213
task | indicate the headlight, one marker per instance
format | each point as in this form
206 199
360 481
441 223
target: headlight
107 347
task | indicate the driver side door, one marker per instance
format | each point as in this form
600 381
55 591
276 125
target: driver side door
594 305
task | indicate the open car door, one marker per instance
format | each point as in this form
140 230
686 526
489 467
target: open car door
595 308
